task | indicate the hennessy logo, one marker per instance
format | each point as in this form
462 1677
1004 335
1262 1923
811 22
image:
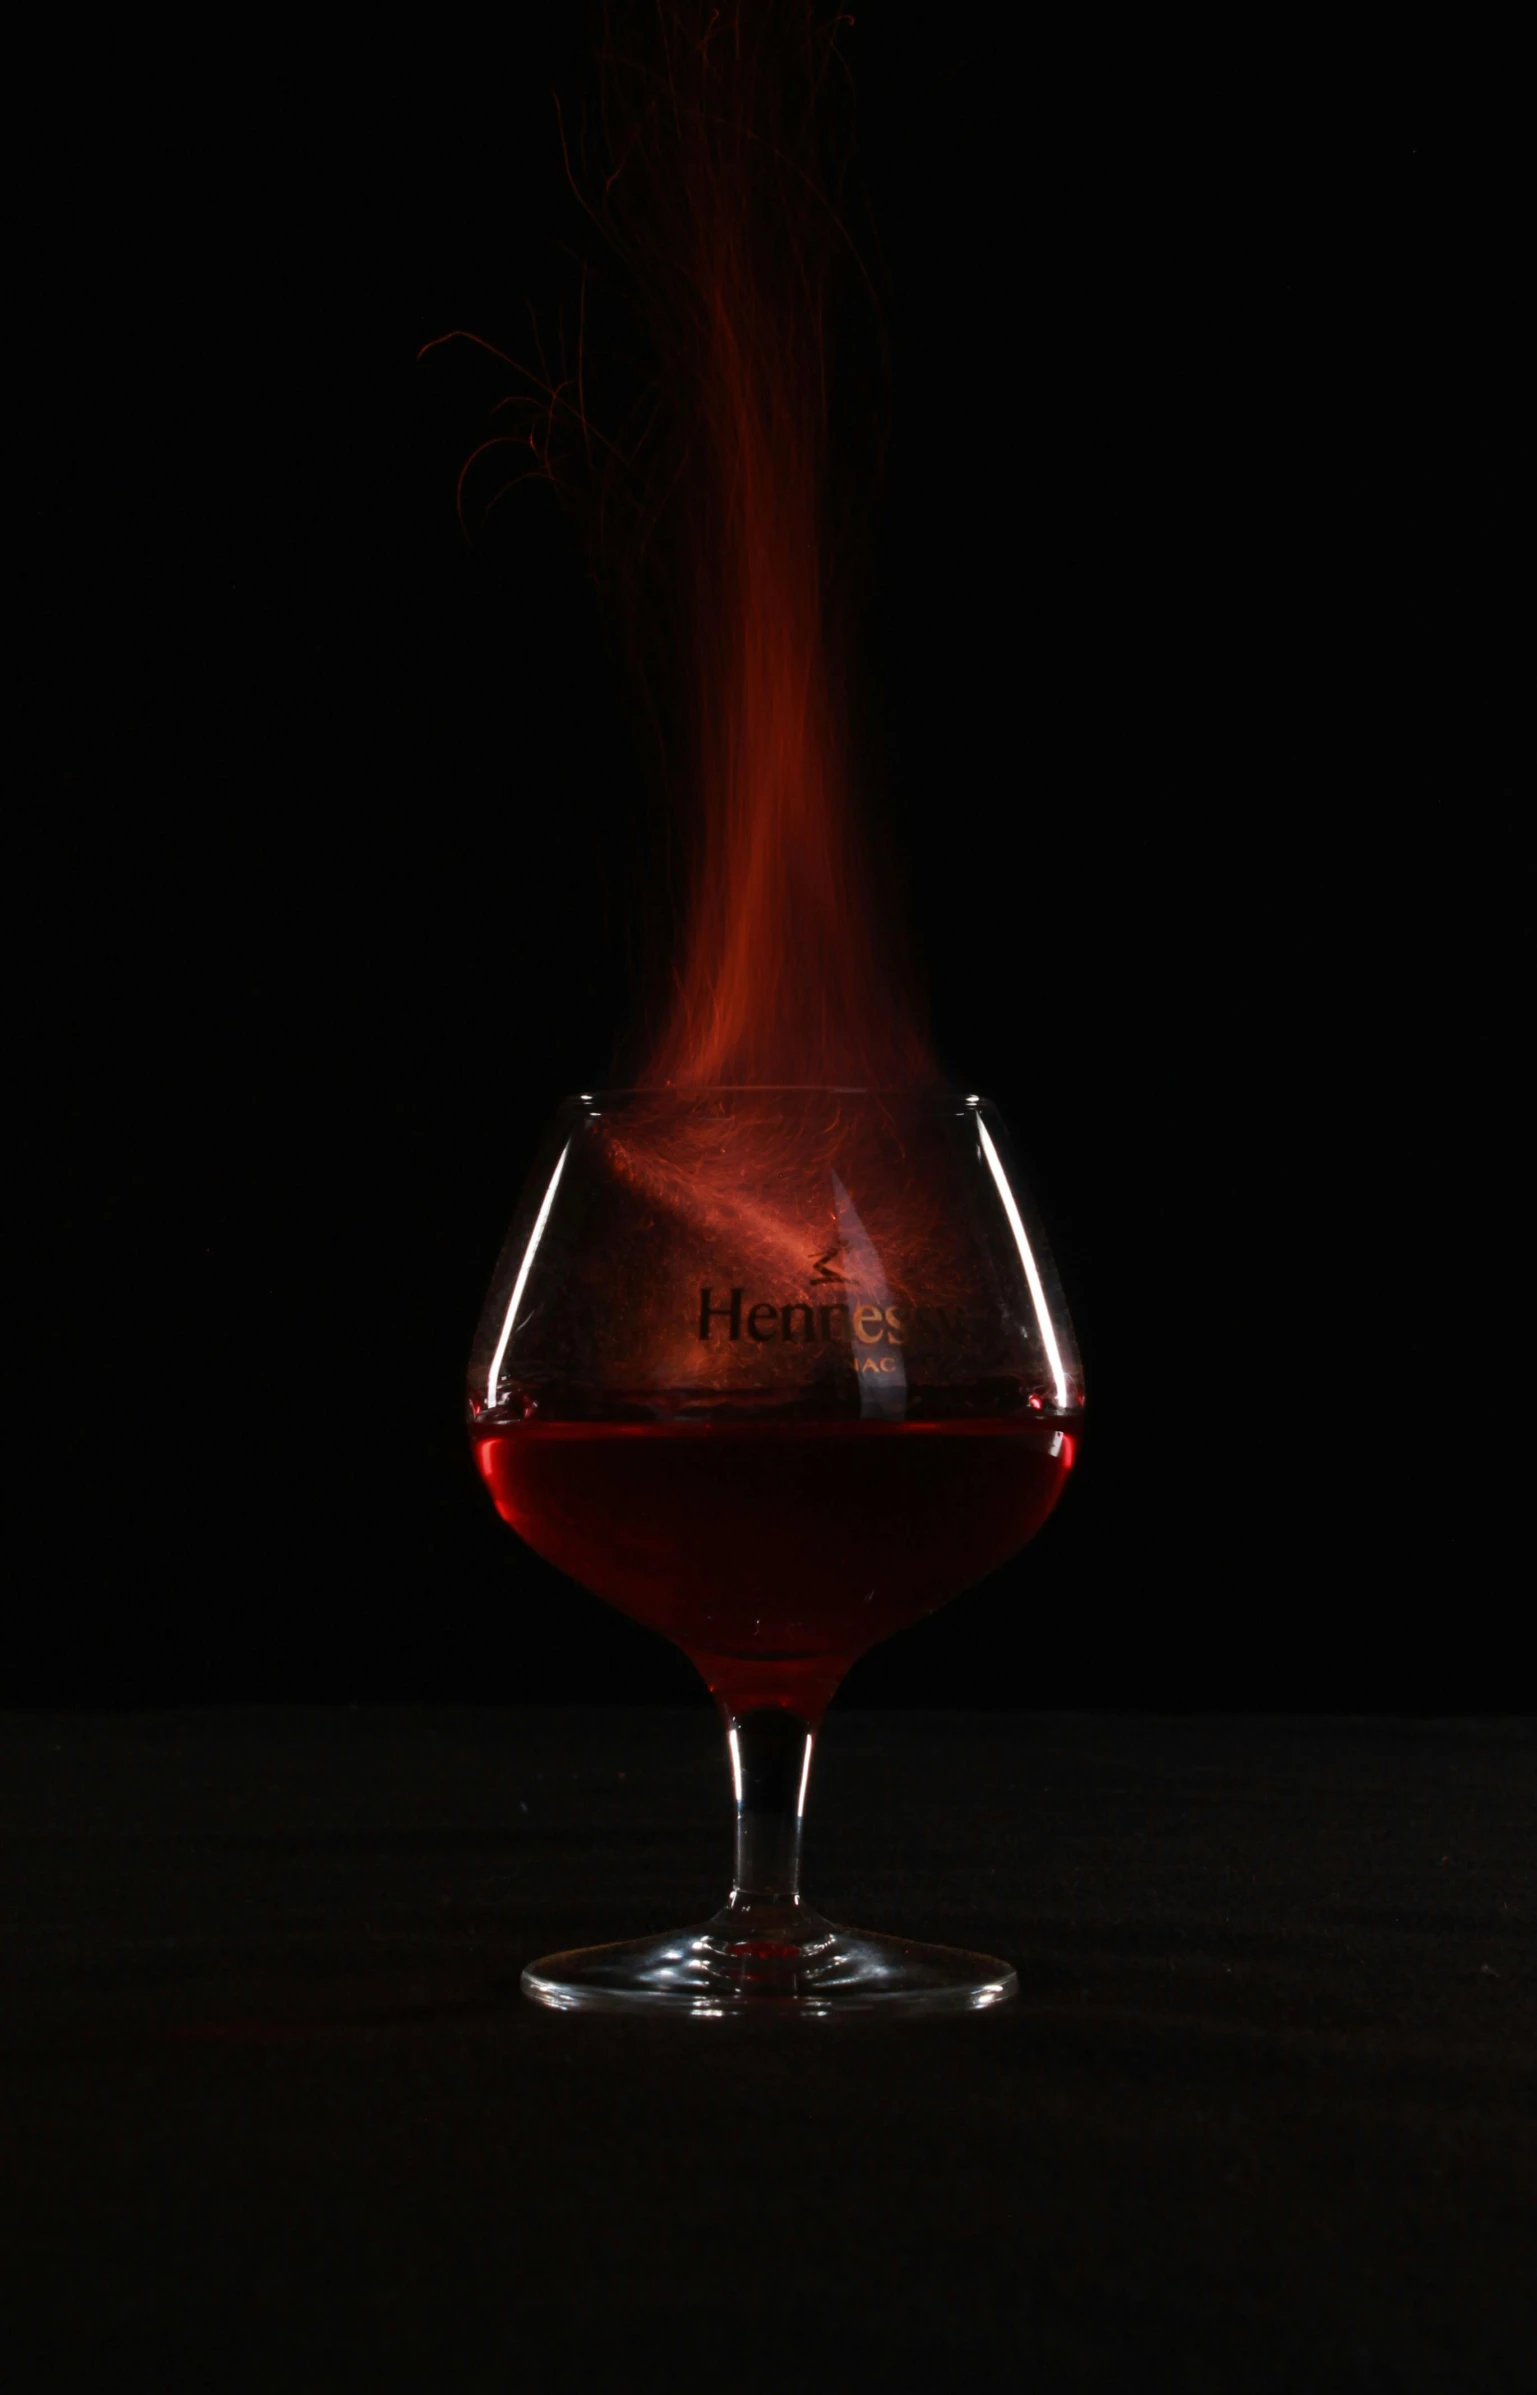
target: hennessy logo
900 1324
825 1267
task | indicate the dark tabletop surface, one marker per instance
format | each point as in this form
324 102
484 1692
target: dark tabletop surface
276 2118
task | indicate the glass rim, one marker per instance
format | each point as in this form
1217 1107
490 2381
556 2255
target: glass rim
702 1093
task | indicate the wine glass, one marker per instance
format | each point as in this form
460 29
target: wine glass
775 1372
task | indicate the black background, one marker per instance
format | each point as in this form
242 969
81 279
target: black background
1190 709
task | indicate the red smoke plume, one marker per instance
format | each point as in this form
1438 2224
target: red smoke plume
788 969
717 199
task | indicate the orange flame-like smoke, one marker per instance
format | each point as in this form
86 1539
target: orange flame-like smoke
789 960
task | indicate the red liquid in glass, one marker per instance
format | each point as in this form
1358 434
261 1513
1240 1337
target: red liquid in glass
774 1554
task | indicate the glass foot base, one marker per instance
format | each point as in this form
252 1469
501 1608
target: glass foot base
787 1964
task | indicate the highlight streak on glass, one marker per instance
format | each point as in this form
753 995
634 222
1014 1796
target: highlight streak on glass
800 1801
878 1399
521 1283
1027 1258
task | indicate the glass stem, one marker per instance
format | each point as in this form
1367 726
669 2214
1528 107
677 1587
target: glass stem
770 1765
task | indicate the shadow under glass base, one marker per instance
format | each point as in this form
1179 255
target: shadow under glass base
776 1963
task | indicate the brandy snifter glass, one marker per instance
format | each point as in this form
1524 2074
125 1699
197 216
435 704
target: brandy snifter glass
774 1372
